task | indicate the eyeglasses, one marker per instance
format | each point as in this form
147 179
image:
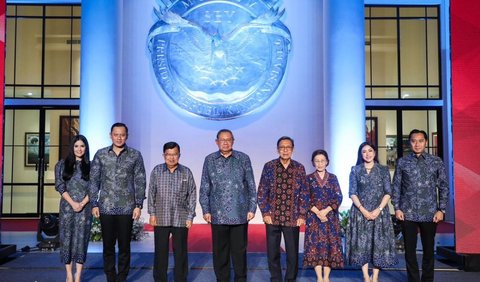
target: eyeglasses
171 155
320 162
285 148
229 140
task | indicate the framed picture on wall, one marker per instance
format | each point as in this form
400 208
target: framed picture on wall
434 143
406 145
392 154
391 144
371 128
32 145
69 127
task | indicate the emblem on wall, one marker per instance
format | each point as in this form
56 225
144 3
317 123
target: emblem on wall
219 59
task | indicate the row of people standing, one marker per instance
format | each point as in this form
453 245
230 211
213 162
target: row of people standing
286 197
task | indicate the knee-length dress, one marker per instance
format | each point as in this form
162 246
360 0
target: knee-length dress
74 226
323 243
370 241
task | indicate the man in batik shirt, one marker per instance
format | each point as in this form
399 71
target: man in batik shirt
172 197
116 191
420 194
229 199
282 182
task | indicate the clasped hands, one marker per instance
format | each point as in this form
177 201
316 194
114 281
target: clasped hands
370 215
322 215
77 206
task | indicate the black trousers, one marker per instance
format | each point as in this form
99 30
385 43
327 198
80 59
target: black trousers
230 240
180 252
291 237
427 235
116 227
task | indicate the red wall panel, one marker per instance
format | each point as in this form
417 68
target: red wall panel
465 47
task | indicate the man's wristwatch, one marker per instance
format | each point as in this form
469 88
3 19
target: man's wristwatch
443 211
139 206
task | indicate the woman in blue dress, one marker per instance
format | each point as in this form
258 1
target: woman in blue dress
369 235
323 243
71 181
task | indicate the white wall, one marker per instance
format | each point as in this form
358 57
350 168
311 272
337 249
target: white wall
297 111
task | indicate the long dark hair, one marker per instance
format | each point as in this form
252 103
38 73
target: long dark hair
359 156
70 160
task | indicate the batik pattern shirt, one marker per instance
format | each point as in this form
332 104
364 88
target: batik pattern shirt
172 196
417 183
279 192
117 183
227 190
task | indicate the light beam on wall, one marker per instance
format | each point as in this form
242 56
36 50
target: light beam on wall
100 70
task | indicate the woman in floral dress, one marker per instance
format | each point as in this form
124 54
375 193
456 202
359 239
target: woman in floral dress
369 234
71 181
323 243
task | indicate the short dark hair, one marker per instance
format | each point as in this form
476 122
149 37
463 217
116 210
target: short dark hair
360 148
320 152
285 138
119 124
224 131
417 131
170 145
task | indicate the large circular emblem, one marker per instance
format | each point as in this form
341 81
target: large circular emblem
219 59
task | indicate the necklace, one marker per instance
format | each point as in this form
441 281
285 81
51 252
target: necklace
368 169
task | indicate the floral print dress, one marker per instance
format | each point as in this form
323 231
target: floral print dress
323 243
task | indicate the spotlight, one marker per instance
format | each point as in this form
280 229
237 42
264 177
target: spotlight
47 235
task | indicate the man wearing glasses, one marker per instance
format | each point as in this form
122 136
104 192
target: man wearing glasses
282 182
172 199
228 200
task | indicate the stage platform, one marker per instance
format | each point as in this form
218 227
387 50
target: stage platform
46 266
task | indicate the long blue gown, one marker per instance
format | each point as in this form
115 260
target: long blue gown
370 241
74 227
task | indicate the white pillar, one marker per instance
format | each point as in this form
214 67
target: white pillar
344 86
100 70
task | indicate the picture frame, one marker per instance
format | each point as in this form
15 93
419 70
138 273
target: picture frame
435 143
32 146
406 145
391 144
391 149
69 127
371 130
